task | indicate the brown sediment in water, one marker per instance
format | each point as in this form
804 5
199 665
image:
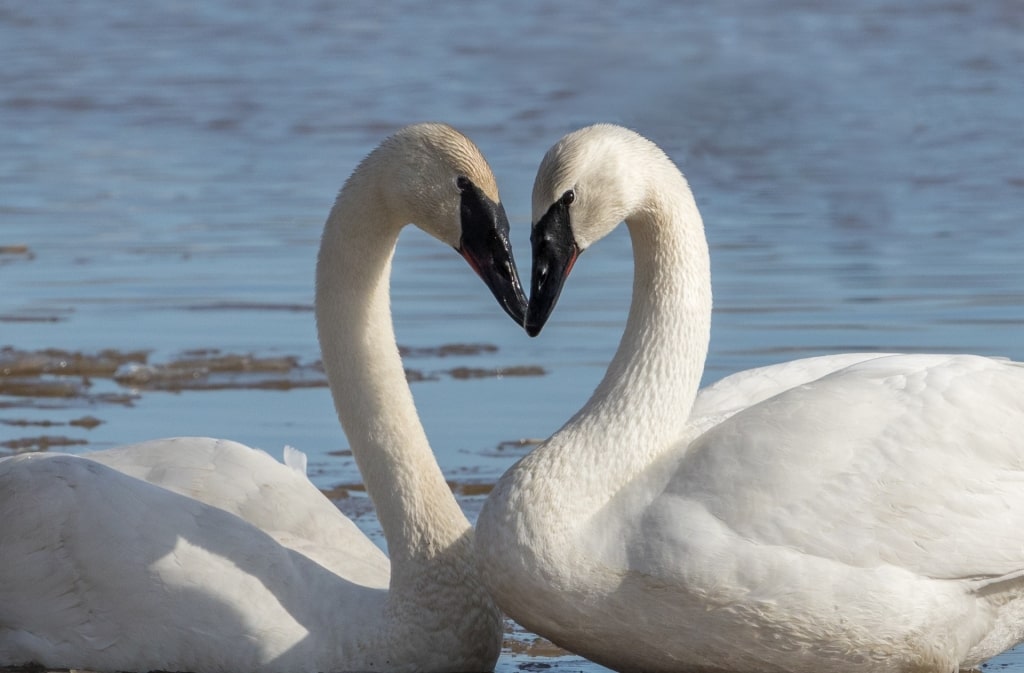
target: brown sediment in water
465 489
446 350
512 448
24 423
60 379
41 443
516 444
418 376
87 422
344 490
36 388
30 318
470 490
19 363
10 254
46 442
120 399
214 361
15 250
36 314
212 370
339 492
496 372
60 373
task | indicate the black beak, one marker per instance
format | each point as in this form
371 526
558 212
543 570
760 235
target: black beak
554 253
486 247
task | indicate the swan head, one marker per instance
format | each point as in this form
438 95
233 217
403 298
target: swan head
438 179
584 188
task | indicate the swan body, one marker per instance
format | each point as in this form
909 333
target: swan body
858 512
194 554
277 498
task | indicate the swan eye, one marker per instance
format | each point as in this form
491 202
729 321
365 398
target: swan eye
568 197
463 183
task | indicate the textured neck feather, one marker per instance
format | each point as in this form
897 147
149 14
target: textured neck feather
418 514
641 406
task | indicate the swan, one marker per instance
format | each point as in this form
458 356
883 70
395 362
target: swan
277 498
857 512
217 558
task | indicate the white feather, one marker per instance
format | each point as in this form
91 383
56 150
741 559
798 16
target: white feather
856 512
194 554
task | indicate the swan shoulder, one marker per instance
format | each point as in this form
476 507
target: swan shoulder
276 498
908 460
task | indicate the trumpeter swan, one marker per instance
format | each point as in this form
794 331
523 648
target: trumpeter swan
859 512
246 567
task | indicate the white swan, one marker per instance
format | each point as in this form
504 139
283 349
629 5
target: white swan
861 512
102 568
277 498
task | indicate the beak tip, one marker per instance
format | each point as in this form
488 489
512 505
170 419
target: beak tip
517 315
506 288
532 325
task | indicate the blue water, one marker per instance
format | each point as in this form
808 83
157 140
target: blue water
169 166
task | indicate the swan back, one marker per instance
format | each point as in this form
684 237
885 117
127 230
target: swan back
278 499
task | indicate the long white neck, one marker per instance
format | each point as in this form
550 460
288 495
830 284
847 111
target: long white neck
417 512
642 405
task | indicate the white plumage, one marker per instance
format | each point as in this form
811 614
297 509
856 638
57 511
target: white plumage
859 512
195 554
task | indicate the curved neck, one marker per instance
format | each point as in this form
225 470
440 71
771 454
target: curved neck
642 404
417 511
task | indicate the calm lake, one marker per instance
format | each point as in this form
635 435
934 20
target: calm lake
166 168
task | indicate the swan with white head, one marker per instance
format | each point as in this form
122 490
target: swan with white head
858 512
103 568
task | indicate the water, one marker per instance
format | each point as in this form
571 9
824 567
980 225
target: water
165 170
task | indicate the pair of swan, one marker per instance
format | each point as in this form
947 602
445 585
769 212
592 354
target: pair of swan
856 512
848 512
198 555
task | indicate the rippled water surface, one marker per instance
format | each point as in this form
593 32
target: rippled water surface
165 169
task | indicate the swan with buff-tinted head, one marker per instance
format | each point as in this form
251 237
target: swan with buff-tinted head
857 512
198 555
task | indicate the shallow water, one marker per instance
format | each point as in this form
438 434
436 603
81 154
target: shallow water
165 171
